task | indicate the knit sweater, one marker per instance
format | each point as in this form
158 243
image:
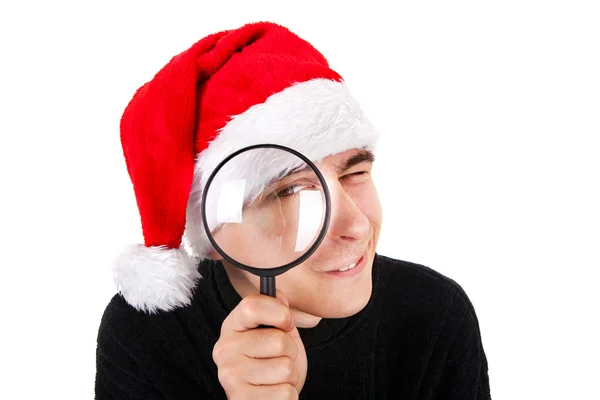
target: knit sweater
417 338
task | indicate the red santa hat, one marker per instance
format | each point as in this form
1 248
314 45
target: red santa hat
257 84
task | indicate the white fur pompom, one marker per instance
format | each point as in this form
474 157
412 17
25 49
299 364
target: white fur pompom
156 278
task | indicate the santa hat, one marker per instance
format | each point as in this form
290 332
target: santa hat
257 84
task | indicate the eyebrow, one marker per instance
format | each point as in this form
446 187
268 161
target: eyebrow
363 156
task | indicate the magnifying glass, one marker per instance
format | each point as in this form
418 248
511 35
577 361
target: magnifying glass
266 209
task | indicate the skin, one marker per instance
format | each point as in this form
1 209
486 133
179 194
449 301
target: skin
271 362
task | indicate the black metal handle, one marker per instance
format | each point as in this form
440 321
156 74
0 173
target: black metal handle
267 286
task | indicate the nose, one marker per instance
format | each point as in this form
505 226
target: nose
347 221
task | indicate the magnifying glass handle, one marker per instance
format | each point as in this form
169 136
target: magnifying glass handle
267 285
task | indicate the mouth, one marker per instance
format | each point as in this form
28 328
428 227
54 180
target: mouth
350 269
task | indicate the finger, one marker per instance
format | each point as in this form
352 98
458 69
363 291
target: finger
255 343
258 309
283 391
270 343
269 371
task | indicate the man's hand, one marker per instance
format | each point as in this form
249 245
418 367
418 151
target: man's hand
261 363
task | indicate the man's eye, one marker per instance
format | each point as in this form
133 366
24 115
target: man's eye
290 190
359 173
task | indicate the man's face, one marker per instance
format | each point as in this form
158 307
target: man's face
317 287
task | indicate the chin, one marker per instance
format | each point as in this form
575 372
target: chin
345 305
327 298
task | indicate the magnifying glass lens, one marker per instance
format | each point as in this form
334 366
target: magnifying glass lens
265 208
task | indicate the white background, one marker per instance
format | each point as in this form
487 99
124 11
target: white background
487 169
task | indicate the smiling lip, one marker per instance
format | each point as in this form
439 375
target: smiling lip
360 265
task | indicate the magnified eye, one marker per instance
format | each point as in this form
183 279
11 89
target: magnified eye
289 190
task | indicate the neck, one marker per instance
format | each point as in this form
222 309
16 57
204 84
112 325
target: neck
246 284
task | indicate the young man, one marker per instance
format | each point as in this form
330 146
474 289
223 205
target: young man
347 323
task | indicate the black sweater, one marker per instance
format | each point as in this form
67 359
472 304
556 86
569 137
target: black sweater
417 338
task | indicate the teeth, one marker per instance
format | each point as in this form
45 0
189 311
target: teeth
346 268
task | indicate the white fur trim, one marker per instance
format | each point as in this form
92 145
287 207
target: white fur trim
318 118
156 278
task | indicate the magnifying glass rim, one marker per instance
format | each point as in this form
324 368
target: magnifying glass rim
281 269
